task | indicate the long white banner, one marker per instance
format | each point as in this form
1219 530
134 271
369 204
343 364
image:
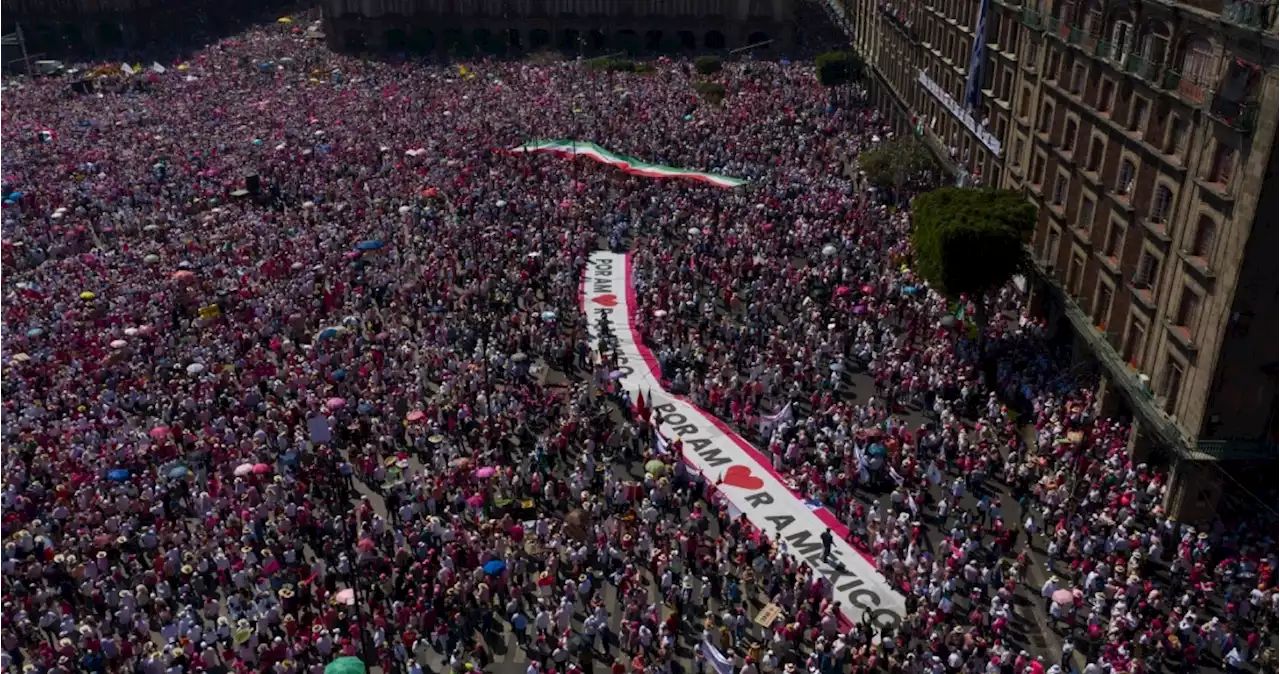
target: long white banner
722 456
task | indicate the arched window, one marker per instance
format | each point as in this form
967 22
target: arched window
1069 135
1066 11
1095 155
1121 39
1093 20
1197 61
1161 204
1124 181
1155 45
1206 236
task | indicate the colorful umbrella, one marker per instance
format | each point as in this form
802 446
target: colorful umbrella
347 596
87 295
261 469
329 332
118 475
347 665
486 472
495 567
336 403
159 433
369 244
243 469
415 416
178 472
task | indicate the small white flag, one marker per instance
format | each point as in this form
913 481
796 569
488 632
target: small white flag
127 68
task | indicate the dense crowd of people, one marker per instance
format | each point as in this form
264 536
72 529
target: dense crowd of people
279 325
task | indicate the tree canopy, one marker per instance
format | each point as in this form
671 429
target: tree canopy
897 162
970 241
707 65
838 67
712 92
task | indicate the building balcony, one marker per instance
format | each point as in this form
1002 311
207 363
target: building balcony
1240 116
1159 229
1102 49
1052 24
1031 19
1136 65
1253 14
1126 379
1192 90
1226 450
1075 36
898 19
1142 295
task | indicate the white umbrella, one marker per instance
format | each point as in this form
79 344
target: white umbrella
195 368
828 250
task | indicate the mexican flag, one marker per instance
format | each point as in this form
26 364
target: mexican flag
631 165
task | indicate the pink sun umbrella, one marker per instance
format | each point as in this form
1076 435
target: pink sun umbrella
486 472
261 469
415 416
183 276
159 433
842 291
336 403
475 500
244 469
867 290
347 596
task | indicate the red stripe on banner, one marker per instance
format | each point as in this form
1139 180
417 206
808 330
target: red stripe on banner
651 362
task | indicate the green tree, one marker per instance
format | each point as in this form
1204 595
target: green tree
970 241
897 162
838 67
707 65
611 65
712 92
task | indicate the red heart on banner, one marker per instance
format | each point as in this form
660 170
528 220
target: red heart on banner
606 300
741 477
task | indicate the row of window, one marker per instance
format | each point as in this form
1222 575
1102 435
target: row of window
1133 346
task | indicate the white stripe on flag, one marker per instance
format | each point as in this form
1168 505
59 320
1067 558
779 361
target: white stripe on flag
716 659
660 443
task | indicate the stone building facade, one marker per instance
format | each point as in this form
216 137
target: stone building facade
466 27
100 28
1145 133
